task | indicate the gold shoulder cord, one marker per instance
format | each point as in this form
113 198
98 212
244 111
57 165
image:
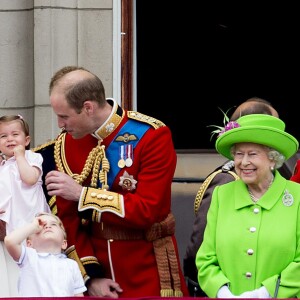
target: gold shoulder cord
204 186
236 177
144 118
93 162
35 149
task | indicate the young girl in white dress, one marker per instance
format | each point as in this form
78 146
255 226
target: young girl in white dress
22 195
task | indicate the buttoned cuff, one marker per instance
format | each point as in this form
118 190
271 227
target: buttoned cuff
93 202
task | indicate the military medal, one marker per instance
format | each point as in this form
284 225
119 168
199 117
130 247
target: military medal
121 162
129 160
287 198
127 182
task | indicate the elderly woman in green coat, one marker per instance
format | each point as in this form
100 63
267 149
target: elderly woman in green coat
251 246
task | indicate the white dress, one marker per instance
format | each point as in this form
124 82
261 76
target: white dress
9 273
20 202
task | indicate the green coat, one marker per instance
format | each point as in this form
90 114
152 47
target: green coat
248 245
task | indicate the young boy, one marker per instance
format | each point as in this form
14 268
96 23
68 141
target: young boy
45 271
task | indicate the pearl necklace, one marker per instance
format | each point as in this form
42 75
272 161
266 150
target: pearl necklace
255 199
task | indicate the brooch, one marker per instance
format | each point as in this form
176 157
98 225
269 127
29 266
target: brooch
287 198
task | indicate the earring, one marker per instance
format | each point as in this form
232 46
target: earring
272 168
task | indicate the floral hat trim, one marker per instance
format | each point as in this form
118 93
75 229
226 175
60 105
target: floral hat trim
260 129
220 130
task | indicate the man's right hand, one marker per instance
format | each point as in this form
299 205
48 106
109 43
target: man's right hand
63 185
103 287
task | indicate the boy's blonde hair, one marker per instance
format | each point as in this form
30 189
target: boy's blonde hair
60 223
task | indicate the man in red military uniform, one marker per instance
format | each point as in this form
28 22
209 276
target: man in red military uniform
109 176
296 172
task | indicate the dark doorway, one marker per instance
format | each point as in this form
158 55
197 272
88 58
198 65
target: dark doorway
190 61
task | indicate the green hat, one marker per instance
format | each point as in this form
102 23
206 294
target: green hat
260 129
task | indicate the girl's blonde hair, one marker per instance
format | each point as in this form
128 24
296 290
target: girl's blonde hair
17 118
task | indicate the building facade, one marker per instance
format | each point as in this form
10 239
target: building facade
40 36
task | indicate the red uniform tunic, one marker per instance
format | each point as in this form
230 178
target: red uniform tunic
296 172
110 229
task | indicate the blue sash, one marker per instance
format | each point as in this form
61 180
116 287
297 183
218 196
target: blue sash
113 150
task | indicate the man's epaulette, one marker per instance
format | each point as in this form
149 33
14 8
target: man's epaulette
37 148
228 167
146 119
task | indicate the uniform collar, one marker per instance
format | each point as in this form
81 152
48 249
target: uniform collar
112 121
